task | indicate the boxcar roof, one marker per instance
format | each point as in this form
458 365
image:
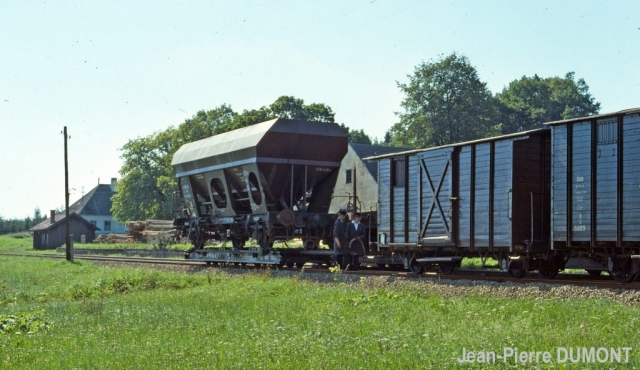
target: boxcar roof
624 111
478 141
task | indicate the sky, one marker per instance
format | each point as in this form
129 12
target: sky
112 71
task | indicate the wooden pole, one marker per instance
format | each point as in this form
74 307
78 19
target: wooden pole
66 197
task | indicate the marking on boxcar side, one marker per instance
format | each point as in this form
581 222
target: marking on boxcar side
435 192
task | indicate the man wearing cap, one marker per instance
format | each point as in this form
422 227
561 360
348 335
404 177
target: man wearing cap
340 243
357 236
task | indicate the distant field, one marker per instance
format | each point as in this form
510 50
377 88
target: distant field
80 315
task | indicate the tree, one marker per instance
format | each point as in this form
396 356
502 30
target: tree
138 196
292 108
530 101
356 136
445 103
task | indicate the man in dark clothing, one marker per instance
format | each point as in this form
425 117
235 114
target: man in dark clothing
357 237
340 241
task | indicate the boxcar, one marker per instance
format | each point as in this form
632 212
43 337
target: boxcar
486 198
596 191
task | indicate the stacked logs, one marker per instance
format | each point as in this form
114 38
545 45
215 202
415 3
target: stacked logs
150 229
114 239
139 231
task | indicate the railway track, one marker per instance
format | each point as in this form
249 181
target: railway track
459 274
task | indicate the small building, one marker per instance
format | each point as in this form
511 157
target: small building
359 178
94 208
51 233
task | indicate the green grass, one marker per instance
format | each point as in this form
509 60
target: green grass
16 243
86 316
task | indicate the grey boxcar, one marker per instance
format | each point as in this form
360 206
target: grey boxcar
487 198
596 190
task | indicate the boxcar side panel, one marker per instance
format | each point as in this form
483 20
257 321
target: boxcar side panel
481 189
631 178
384 196
559 175
414 199
435 205
581 182
606 179
502 192
464 201
530 193
397 216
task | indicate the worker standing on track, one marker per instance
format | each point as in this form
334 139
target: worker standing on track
356 235
340 241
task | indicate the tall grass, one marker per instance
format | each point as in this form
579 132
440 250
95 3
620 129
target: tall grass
103 317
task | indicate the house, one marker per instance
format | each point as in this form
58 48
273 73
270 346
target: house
359 178
94 208
51 233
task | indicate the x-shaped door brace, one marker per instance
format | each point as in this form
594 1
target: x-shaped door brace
436 201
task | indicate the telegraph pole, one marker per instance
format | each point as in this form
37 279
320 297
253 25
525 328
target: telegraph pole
66 197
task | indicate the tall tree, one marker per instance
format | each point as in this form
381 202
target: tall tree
292 108
356 136
445 102
530 101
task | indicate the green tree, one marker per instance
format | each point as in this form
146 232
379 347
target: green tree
356 136
445 102
530 101
292 108
137 195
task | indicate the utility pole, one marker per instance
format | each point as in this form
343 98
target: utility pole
66 197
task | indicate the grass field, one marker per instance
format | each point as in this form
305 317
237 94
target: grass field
60 315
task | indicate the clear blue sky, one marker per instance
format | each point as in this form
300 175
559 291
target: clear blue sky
112 71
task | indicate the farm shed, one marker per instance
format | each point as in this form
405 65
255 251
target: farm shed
51 233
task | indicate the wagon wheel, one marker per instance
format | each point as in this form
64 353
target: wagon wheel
310 244
516 269
299 264
623 271
549 273
416 267
289 264
237 243
594 273
446 267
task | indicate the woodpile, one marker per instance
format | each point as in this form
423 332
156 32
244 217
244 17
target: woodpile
114 239
150 229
